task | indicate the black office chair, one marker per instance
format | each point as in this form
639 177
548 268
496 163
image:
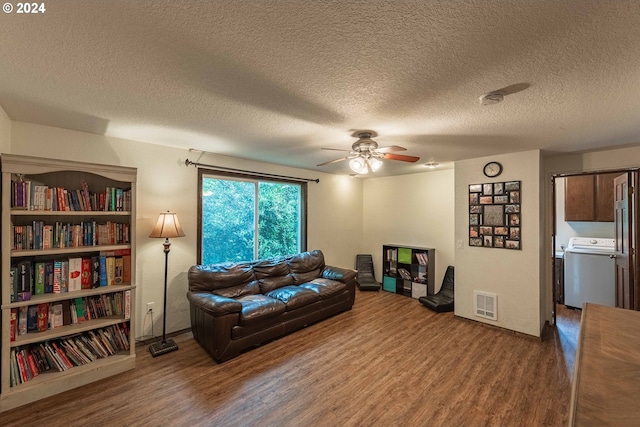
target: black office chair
443 300
366 280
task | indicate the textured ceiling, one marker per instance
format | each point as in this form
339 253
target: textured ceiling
277 80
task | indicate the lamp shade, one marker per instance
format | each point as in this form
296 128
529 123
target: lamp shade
358 165
167 226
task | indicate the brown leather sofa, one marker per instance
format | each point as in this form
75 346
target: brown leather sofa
238 306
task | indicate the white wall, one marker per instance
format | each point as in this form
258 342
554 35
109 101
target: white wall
412 210
516 276
165 183
565 230
5 132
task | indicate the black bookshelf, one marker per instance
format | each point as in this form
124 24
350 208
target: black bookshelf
408 270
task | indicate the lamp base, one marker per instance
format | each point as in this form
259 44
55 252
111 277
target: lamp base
162 347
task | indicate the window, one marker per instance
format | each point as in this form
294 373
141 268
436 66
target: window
244 218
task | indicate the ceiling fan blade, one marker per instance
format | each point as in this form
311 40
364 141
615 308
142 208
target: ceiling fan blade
401 157
390 148
334 149
334 161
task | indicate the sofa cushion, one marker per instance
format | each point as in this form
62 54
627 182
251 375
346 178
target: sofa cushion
271 268
268 284
294 296
238 291
218 276
256 308
306 266
326 288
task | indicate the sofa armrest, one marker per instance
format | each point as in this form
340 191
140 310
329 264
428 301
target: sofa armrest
340 274
215 304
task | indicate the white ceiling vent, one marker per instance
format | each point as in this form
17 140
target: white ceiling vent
485 305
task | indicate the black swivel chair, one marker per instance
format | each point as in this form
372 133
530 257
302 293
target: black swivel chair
443 300
365 279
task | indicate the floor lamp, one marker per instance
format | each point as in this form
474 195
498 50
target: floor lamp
167 226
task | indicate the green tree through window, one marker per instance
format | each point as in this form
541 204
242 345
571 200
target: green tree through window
243 219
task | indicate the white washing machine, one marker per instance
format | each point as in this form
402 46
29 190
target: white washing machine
590 272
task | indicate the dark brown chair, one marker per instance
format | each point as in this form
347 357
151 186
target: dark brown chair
443 300
365 278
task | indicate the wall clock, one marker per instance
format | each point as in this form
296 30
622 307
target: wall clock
492 169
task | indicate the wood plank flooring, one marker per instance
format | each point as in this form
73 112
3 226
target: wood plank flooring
387 362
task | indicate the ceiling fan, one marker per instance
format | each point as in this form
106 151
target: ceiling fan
365 156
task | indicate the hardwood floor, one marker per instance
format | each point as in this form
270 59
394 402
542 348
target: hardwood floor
387 362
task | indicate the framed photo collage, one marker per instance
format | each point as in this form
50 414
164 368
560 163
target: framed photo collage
494 215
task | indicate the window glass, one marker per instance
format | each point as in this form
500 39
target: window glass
243 219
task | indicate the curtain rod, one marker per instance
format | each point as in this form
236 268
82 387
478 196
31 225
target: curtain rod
262 174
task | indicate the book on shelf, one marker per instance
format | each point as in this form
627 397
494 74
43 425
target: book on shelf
126 265
39 278
14 374
111 268
103 269
80 311
75 274
57 276
25 280
64 276
66 312
87 273
13 277
32 318
404 273
422 258
127 304
118 270
31 363
48 277
22 320
43 317
57 320
95 271
13 323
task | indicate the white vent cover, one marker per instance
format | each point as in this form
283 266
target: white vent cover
485 305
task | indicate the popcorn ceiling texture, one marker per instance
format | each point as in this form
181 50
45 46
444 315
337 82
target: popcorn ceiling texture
277 80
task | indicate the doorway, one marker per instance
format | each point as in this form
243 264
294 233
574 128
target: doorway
615 218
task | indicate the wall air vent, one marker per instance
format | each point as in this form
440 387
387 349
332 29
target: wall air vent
485 305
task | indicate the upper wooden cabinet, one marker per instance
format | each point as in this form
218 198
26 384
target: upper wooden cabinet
589 197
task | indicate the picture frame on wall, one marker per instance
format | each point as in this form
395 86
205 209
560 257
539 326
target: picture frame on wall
495 215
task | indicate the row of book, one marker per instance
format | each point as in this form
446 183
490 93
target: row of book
39 235
27 362
31 195
46 316
422 258
30 278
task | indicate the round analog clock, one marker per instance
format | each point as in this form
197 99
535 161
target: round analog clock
492 169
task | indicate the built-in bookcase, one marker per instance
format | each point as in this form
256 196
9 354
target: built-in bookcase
408 270
67 275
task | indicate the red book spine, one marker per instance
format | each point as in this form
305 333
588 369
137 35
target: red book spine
86 273
14 324
43 317
32 365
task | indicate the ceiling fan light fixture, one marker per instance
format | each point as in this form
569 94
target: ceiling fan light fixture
358 165
375 163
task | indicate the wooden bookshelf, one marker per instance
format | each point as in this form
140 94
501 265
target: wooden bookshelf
98 181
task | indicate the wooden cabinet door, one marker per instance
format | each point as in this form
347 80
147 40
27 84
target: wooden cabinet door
579 198
605 197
